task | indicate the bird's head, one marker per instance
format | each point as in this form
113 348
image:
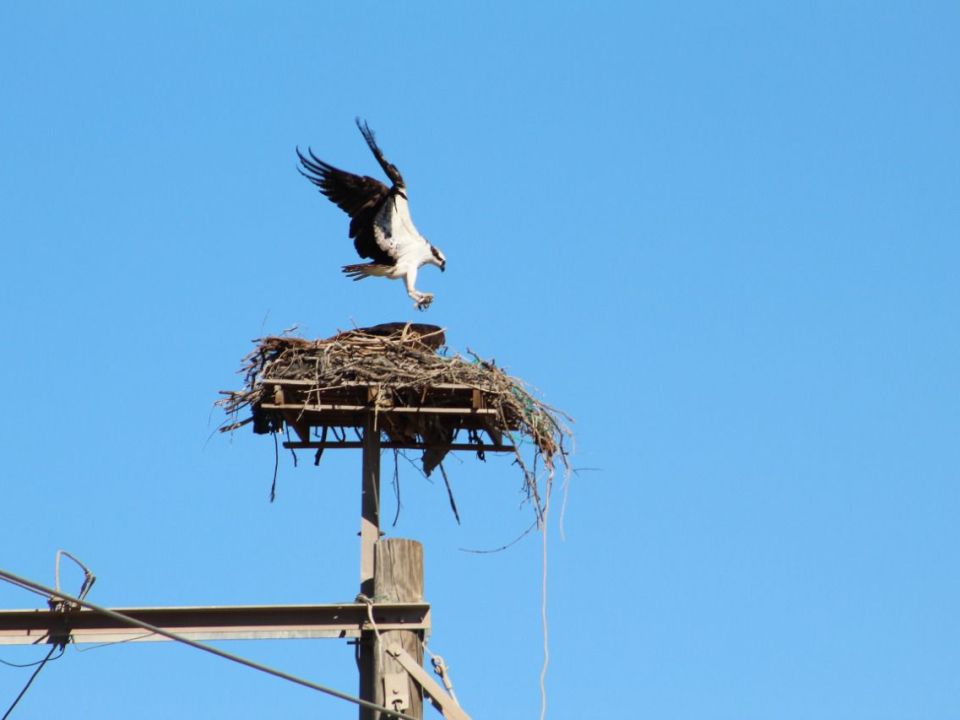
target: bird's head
438 259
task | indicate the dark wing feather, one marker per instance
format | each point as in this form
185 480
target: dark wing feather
389 169
351 193
357 195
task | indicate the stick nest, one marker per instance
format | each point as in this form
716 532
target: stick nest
314 386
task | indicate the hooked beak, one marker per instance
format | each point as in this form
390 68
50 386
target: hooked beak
443 268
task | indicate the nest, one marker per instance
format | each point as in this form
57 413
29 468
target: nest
418 397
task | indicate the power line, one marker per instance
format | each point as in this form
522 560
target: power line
33 676
31 664
50 592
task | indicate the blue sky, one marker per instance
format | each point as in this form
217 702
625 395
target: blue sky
723 238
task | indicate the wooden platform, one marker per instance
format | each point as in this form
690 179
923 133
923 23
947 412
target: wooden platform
434 417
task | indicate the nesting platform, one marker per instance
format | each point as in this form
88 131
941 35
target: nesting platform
396 381
411 418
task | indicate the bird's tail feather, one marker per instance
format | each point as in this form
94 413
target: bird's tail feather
364 270
356 272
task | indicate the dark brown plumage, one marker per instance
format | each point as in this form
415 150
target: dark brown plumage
360 196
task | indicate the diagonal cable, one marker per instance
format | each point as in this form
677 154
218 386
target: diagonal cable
50 592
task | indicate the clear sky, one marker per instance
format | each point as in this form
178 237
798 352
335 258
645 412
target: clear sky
724 237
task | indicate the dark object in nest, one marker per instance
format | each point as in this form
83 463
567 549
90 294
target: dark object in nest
420 398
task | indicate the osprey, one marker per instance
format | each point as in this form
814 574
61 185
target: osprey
380 222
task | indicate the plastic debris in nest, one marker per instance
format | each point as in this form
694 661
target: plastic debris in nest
420 399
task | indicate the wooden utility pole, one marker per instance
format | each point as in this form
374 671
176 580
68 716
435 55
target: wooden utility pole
369 535
398 579
369 502
390 571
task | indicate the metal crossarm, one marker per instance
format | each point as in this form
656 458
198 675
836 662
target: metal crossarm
250 622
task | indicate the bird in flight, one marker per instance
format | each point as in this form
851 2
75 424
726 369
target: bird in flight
380 222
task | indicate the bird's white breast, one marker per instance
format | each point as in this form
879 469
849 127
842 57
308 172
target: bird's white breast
397 233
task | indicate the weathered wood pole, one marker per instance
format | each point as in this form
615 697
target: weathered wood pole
369 503
391 570
398 578
369 535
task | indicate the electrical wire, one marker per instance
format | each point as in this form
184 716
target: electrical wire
33 676
99 646
88 580
34 663
88 577
126 619
543 614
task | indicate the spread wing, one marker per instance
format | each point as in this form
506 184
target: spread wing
357 195
389 169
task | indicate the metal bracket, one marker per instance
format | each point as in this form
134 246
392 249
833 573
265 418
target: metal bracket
441 701
395 691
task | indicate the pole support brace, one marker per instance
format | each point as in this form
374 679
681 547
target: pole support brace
441 701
